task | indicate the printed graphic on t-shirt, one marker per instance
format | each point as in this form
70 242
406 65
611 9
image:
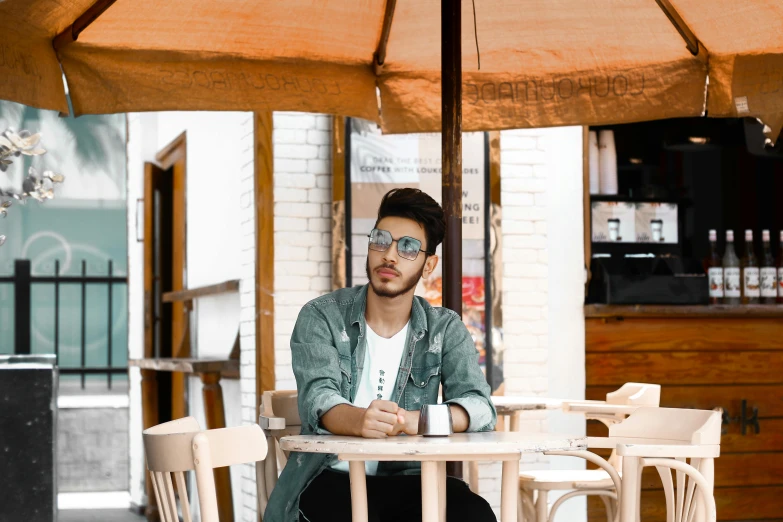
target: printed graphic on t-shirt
381 381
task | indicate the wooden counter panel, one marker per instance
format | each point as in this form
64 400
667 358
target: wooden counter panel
733 504
673 368
703 362
769 438
695 334
768 398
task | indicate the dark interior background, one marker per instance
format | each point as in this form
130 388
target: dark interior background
730 182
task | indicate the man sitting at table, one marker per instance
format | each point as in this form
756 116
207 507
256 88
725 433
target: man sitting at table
366 359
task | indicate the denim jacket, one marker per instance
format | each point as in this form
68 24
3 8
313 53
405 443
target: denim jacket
328 346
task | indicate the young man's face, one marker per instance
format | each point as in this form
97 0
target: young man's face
391 275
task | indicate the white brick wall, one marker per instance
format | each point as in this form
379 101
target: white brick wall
541 193
525 266
135 153
247 303
566 290
303 223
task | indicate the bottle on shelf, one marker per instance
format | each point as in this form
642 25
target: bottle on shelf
780 269
768 272
731 273
751 286
713 266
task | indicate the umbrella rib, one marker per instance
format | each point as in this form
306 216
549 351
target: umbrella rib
691 42
72 32
380 54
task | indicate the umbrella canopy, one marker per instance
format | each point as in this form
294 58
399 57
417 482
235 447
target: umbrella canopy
542 62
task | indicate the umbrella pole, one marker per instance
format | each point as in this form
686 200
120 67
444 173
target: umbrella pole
451 106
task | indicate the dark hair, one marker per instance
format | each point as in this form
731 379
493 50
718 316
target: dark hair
418 206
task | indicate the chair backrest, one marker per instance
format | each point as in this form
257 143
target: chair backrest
179 446
670 424
653 431
169 457
281 404
636 393
629 394
279 417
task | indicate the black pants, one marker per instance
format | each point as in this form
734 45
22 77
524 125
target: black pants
390 499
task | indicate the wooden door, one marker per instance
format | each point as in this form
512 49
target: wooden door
156 388
175 330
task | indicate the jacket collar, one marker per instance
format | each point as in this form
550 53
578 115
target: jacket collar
418 316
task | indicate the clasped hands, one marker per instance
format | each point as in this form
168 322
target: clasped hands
382 419
386 419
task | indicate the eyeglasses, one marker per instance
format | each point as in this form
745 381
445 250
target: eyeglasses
407 247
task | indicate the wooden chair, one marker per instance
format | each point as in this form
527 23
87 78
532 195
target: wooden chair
536 485
279 417
178 446
679 440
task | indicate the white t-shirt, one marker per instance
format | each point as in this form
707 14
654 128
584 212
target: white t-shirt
381 366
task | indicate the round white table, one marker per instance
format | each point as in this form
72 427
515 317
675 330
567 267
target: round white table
433 453
513 405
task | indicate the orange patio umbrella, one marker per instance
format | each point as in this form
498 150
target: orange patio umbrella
542 62
526 63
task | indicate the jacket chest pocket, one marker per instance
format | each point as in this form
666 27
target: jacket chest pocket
422 387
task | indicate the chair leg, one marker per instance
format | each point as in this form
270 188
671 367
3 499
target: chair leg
526 507
629 492
520 508
608 506
605 494
707 469
542 512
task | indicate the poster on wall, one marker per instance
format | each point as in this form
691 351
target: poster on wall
379 163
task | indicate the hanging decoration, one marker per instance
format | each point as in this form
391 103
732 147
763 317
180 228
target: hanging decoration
39 187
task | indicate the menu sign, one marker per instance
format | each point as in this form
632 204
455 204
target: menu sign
414 160
380 163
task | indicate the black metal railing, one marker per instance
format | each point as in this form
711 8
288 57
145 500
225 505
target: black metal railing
22 281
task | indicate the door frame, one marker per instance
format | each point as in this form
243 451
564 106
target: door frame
263 188
172 161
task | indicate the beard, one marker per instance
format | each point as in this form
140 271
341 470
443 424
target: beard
407 284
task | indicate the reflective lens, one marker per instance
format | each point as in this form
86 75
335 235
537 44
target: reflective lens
407 247
380 240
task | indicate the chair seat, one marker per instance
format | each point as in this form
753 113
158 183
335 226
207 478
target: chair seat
556 479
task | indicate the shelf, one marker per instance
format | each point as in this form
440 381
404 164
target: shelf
228 368
674 311
189 294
